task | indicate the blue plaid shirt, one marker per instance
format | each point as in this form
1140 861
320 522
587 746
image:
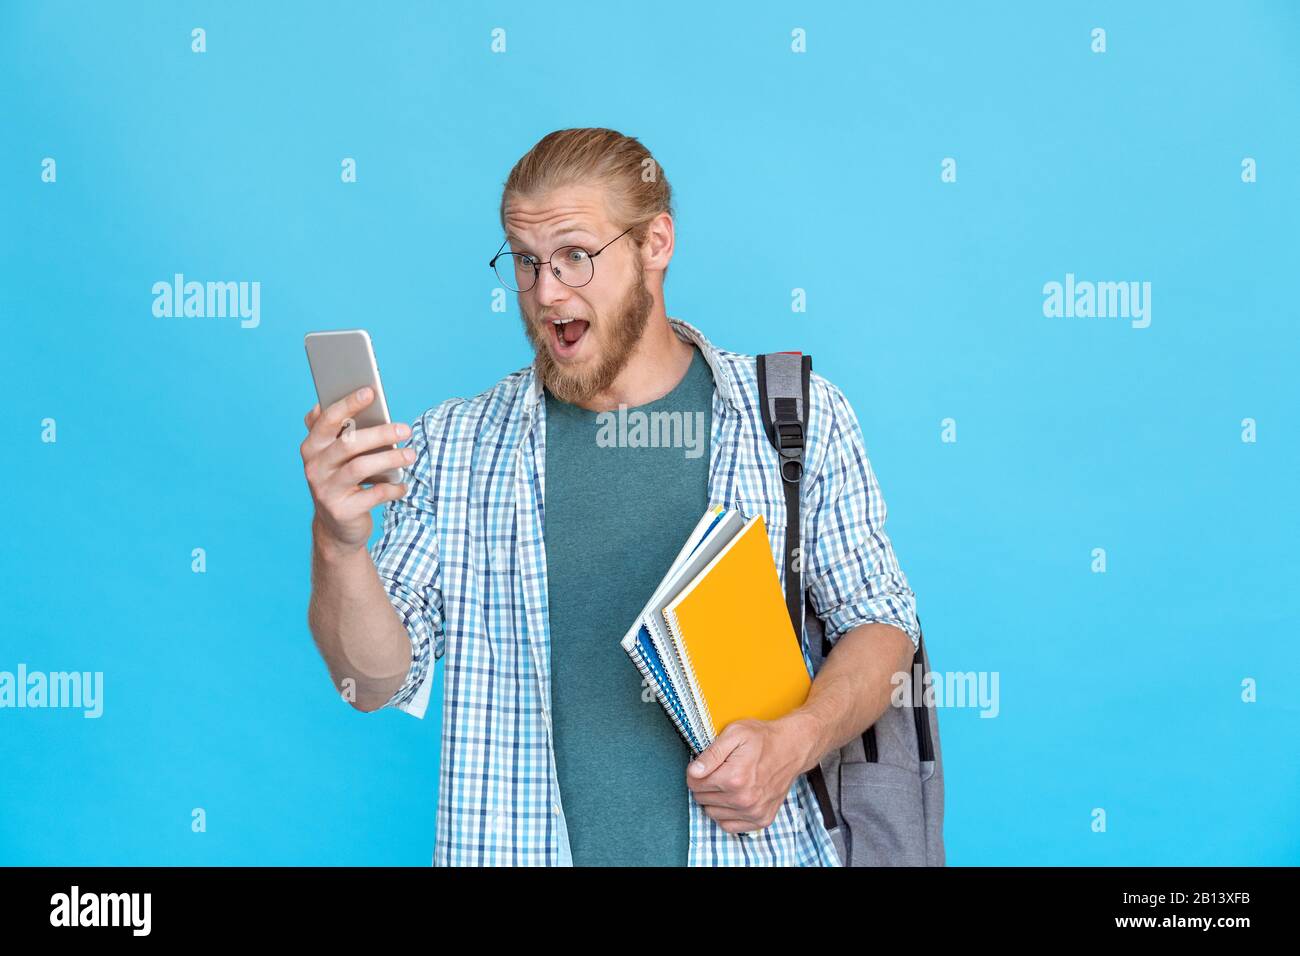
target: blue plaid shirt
463 562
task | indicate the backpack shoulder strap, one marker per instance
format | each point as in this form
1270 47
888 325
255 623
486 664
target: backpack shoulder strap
783 398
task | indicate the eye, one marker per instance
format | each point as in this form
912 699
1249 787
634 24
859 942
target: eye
576 255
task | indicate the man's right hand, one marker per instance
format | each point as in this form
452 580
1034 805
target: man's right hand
335 462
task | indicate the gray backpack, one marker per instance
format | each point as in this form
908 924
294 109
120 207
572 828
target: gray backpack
880 796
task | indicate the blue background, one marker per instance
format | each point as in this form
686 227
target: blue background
818 171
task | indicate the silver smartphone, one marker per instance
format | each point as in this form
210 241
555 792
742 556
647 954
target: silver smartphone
342 362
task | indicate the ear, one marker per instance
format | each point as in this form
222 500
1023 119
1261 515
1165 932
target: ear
657 250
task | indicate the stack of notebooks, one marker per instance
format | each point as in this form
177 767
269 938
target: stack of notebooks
715 641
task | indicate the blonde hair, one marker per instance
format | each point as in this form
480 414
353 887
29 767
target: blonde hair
636 188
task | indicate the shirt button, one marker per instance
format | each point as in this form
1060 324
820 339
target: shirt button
555 809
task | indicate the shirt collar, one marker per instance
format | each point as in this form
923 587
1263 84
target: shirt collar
685 331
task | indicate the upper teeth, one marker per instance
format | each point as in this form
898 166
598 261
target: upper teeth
561 321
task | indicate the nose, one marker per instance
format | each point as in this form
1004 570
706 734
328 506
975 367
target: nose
548 289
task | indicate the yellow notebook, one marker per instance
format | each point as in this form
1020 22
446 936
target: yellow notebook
733 633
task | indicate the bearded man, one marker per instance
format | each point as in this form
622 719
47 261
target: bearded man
522 547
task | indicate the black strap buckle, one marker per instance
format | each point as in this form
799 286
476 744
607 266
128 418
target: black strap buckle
789 436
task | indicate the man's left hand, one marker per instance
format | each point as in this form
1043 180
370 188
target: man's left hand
743 777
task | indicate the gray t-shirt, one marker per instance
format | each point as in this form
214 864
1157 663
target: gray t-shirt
617 511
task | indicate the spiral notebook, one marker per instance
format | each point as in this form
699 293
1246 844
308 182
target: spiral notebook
715 642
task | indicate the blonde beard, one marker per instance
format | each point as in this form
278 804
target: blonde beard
624 331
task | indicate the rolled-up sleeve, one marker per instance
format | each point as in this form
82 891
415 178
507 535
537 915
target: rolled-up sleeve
852 574
406 558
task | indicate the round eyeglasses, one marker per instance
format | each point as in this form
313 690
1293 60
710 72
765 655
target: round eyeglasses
572 265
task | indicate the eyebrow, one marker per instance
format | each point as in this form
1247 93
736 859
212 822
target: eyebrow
567 231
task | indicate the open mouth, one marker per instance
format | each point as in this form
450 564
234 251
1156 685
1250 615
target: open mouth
568 335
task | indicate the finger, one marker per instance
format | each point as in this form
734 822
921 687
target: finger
310 418
355 441
363 466
721 801
376 495
737 827
713 783
330 422
752 817
734 821
713 756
